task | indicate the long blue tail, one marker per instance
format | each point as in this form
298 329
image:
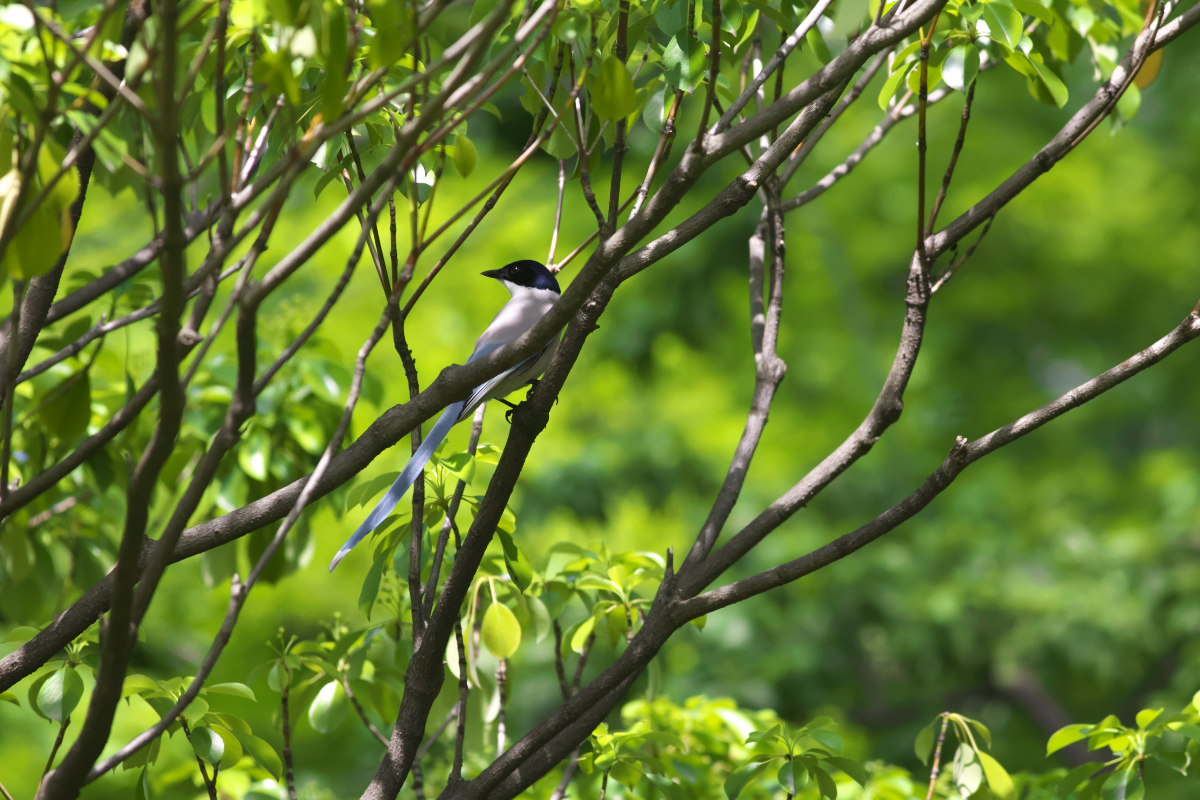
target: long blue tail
407 477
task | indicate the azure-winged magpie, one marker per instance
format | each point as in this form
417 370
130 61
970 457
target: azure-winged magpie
534 290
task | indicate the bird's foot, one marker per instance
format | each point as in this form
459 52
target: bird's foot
533 385
511 408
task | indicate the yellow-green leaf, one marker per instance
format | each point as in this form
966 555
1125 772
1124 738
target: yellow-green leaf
997 776
465 155
1067 736
613 96
328 707
501 631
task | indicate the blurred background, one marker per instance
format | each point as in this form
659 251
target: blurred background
1055 582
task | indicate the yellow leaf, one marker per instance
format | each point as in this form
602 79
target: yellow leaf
1149 70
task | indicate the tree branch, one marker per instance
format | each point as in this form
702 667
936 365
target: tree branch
961 456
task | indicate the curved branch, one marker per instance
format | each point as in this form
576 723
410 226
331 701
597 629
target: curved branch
961 456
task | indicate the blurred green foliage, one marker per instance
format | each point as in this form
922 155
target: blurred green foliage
1055 581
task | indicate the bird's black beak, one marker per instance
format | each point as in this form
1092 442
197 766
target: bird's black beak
491 273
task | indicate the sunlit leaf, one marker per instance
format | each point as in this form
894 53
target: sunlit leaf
501 631
465 155
997 776
328 708
1067 736
235 689
1005 24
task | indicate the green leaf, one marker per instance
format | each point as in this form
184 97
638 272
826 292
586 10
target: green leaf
60 694
141 790
328 707
254 454
261 751
1034 9
1053 83
1067 736
997 776
613 95
981 730
627 773
1125 784
961 67
893 83
235 689
677 64
520 572
825 782
852 768
208 744
1130 102
9 697
817 45
394 31
792 775
1076 776
465 155
370 587
741 777
501 631
829 739
580 637
1190 731
542 624
968 772
1005 24
278 677
1147 716
923 745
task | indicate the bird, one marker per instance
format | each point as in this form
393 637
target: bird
534 291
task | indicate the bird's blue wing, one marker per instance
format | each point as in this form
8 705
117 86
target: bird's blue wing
407 476
453 414
480 392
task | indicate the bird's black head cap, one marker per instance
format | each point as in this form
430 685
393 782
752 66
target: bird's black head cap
528 273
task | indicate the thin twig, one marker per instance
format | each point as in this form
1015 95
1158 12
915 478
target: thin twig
789 44
936 767
58 740
210 783
289 763
959 141
923 143
501 716
463 689
562 187
362 712
448 524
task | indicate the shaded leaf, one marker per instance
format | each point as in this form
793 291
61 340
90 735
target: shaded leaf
741 777
208 744
60 694
923 745
613 95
